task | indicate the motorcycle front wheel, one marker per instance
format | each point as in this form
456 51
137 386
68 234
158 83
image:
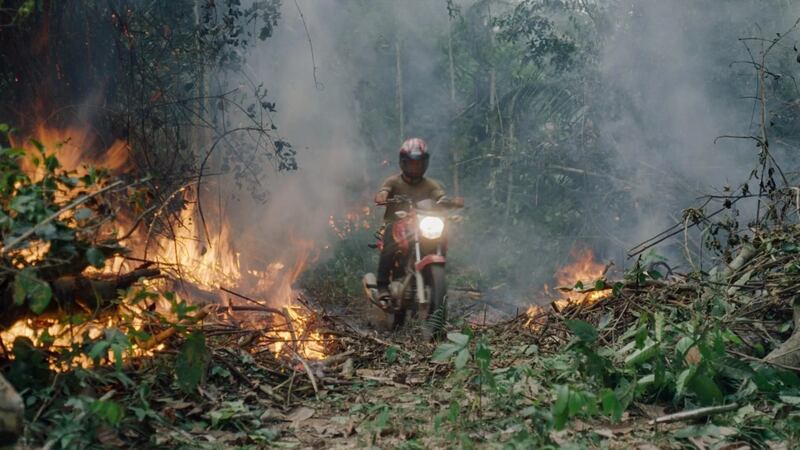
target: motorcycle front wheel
437 303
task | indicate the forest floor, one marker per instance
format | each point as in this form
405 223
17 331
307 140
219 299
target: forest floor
607 373
487 385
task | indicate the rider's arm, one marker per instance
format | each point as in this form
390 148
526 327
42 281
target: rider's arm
384 192
437 191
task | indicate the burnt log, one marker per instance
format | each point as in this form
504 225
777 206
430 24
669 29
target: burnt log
74 292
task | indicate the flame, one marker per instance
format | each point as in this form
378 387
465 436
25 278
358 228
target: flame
188 251
76 148
583 269
352 221
60 336
277 284
207 261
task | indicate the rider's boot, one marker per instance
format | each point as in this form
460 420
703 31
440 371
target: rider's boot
384 297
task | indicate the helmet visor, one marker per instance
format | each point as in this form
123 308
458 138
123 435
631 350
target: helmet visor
414 168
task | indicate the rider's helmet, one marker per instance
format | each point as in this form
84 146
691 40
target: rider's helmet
414 158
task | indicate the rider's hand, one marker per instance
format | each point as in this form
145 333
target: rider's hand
381 197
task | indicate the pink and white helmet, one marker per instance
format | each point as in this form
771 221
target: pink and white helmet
414 158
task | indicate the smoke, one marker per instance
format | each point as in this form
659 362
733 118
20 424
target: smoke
668 78
314 114
317 93
682 71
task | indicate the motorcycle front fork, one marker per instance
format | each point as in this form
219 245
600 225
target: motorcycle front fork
422 299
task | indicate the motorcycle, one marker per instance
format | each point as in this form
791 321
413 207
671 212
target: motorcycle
418 286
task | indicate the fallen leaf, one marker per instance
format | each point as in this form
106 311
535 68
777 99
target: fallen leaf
651 411
108 437
272 414
698 442
604 432
736 446
180 405
299 414
693 356
347 369
372 373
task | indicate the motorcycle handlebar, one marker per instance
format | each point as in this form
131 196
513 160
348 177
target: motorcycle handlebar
444 202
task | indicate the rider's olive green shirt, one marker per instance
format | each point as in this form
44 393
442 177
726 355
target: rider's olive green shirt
425 188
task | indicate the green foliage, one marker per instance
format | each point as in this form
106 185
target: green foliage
192 360
27 286
115 342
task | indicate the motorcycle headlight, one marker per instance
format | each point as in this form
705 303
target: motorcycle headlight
431 227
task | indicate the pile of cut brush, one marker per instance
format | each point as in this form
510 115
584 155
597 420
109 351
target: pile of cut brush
715 356
755 297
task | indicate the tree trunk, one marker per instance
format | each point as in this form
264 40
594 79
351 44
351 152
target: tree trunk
399 88
508 161
492 112
454 150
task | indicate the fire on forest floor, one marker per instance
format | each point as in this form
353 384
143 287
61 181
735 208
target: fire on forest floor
184 248
581 282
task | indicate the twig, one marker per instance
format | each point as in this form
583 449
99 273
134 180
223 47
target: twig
308 372
244 297
169 332
318 85
759 360
336 359
694 413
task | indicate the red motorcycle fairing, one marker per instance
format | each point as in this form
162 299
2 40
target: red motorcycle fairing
428 260
400 233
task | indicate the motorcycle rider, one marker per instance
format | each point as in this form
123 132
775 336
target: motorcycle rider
411 183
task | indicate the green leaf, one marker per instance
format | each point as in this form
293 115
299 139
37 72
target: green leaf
654 274
560 409
576 403
683 346
582 330
95 257
190 365
381 420
642 355
790 399
51 163
646 380
625 391
28 286
659 319
482 352
462 358
83 213
611 405
107 410
99 350
617 289
705 389
390 354
458 338
444 351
